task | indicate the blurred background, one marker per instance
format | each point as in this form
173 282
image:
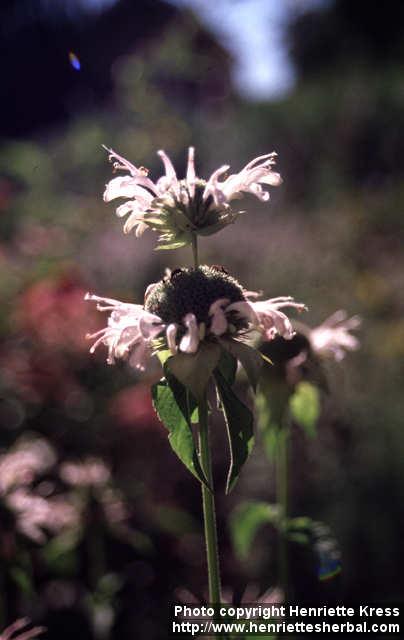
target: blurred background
100 524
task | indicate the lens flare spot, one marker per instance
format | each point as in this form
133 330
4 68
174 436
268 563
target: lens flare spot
329 570
74 61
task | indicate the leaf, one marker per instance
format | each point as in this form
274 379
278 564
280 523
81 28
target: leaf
171 402
298 537
250 358
305 407
194 370
172 245
239 423
227 366
23 580
163 355
245 521
268 427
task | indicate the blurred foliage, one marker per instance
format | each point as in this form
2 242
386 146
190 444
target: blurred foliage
331 237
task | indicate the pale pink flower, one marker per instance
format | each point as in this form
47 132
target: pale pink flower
250 179
178 208
15 631
130 330
333 337
219 322
35 514
190 341
89 472
265 315
142 191
21 465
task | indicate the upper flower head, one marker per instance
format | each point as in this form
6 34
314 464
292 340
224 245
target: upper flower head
332 337
181 209
184 309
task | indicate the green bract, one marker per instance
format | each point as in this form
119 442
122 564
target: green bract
178 220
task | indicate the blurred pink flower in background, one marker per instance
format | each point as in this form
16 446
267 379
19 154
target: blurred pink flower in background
20 466
89 472
333 338
32 514
52 311
15 631
132 407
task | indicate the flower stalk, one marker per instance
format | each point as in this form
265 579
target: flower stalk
282 499
208 497
195 251
208 501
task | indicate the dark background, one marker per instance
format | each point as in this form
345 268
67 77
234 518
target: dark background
152 77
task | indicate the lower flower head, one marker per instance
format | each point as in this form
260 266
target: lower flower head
192 291
185 308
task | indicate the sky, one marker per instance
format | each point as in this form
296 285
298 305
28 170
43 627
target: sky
262 66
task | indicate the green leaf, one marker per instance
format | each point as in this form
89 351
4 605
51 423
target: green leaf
245 521
227 366
172 245
174 407
194 370
163 355
268 427
23 580
250 358
298 537
239 423
305 407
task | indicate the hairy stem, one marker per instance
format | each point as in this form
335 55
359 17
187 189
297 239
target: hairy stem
208 500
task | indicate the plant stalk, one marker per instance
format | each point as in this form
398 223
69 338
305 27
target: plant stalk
208 497
195 250
282 491
209 513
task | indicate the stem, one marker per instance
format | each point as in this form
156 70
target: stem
195 250
208 500
208 497
282 492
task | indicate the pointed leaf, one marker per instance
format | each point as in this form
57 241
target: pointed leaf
194 370
172 406
239 423
250 358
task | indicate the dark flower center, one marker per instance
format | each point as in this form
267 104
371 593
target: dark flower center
192 291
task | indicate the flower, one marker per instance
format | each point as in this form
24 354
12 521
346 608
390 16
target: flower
250 180
130 331
28 512
21 466
12 632
34 514
184 309
89 472
181 209
332 337
265 316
